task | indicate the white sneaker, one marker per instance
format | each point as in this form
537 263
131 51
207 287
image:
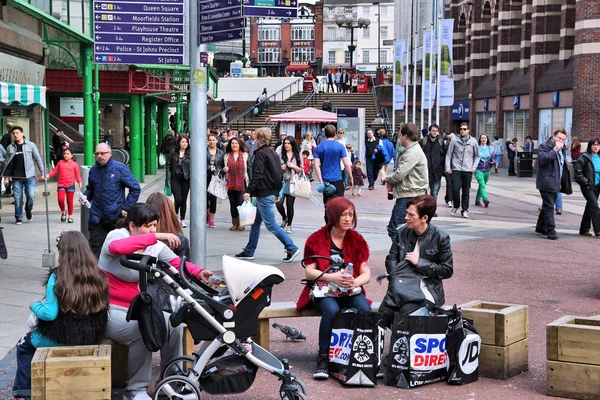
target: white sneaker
139 396
449 204
453 212
288 229
465 214
183 224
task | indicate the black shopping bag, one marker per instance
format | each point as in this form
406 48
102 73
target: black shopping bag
417 354
356 347
464 346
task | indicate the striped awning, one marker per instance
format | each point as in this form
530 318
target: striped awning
25 95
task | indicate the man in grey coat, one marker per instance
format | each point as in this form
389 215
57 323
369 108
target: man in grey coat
461 161
552 177
22 156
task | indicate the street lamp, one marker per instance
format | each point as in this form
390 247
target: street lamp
347 21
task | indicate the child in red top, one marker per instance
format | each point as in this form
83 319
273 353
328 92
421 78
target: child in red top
68 171
305 155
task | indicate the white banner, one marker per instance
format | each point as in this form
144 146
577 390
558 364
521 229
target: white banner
446 63
399 78
429 81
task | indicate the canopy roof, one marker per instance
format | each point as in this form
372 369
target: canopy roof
25 95
308 114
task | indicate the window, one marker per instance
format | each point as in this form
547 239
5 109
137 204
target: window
348 34
331 57
515 125
269 32
365 57
331 33
269 55
347 10
383 56
367 32
303 32
330 10
485 123
347 56
384 11
384 32
366 11
303 54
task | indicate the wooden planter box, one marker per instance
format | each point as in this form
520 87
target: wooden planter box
504 331
573 357
71 373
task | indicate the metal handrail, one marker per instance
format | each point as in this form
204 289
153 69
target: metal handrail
386 121
308 99
217 114
272 99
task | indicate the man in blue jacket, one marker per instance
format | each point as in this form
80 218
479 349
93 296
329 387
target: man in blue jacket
552 177
106 191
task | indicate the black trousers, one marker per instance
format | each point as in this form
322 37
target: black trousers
236 199
339 192
180 188
211 199
98 233
332 86
545 222
511 166
448 196
372 170
461 180
289 204
591 214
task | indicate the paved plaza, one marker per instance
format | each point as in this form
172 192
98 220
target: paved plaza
497 257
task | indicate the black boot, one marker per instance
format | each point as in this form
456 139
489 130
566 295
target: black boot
322 370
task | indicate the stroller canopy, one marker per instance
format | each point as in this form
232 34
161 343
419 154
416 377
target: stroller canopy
243 276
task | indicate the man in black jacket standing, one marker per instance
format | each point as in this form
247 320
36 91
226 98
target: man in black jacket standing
552 177
435 151
265 184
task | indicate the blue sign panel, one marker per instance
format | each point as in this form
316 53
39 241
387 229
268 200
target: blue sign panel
555 99
141 31
460 111
271 8
516 102
220 20
486 104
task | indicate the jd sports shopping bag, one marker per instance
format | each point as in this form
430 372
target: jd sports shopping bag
464 345
356 347
417 354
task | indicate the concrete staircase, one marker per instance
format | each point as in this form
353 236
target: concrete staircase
338 100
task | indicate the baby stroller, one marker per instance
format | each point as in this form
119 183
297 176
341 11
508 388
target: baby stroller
225 321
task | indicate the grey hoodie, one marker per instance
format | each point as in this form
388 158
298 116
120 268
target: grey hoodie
462 156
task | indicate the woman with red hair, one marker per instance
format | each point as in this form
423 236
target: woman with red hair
339 245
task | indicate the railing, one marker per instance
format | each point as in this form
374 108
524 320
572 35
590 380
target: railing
310 99
71 135
274 125
272 100
386 121
210 121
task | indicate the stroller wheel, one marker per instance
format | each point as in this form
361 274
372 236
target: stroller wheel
179 366
177 388
287 395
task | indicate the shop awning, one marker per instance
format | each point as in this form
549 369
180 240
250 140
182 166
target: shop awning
297 67
308 115
26 95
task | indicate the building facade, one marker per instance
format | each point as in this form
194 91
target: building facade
374 44
526 67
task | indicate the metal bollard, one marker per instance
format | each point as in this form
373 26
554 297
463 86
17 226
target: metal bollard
85 212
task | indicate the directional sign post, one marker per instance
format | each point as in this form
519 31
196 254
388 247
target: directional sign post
220 20
271 8
141 32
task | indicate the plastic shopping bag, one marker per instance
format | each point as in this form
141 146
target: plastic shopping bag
464 346
247 213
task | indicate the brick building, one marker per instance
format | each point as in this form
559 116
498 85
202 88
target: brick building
285 45
526 67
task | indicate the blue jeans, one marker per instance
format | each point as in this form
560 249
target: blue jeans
25 352
558 204
434 188
264 212
18 185
397 217
498 160
329 306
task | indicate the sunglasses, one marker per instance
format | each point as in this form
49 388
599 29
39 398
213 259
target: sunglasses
464 129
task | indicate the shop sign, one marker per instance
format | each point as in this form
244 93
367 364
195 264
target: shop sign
269 44
18 70
460 111
303 43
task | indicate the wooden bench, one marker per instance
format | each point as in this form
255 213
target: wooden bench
284 309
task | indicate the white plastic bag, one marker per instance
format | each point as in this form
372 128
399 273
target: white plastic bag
247 213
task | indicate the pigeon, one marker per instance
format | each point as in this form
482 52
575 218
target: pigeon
290 332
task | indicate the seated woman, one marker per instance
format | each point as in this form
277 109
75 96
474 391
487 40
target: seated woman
168 222
75 310
419 259
339 241
139 236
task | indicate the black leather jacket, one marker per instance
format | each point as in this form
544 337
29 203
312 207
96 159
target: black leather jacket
585 174
172 161
435 262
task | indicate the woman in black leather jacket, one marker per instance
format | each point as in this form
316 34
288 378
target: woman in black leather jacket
587 175
178 176
418 260
214 165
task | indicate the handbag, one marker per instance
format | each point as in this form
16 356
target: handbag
464 347
301 187
218 187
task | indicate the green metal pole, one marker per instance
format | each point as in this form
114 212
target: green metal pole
88 107
150 137
135 129
96 106
48 140
142 141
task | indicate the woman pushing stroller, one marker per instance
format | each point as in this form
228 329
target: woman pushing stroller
139 236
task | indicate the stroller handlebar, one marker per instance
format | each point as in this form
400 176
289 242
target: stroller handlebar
138 262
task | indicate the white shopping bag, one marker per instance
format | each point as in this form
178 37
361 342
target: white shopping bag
247 213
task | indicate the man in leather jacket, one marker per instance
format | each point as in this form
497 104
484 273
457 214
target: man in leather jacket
420 257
